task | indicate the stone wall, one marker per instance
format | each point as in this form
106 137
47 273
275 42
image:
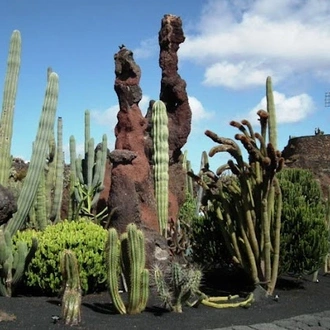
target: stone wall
310 152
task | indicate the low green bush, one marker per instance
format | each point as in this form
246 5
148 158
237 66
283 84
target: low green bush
83 237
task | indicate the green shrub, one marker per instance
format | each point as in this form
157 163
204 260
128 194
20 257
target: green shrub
209 249
304 236
83 237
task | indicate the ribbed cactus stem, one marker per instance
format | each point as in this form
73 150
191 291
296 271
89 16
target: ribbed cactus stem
112 249
8 105
40 205
200 189
37 163
55 213
272 130
139 277
73 178
161 162
71 301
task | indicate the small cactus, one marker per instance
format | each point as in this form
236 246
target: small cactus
181 288
13 262
71 300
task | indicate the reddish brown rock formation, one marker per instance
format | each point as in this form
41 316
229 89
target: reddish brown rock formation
132 189
173 93
131 193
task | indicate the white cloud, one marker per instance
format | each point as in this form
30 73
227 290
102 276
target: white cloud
146 49
238 41
198 111
227 74
288 109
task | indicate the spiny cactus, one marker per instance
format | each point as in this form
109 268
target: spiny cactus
71 300
161 162
8 105
180 287
127 255
37 163
244 203
87 175
13 262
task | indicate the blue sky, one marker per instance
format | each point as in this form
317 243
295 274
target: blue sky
231 47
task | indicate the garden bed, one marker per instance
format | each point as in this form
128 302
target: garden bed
295 298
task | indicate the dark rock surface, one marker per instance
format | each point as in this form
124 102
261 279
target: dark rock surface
8 204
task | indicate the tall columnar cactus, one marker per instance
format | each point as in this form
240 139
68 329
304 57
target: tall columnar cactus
87 175
8 105
13 262
187 168
71 300
161 162
127 255
55 211
248 204
200 191
39 153
272 131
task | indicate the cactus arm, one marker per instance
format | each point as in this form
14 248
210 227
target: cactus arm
8 105
38 157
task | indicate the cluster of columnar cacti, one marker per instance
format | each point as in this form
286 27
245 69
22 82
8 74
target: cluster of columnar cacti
180 287
304 233
87 175
244 203
161 162
126 255
71 300
13 262
37 163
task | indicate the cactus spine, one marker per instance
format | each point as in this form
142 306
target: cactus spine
37 163
128 251
8 105
71 300
161 162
